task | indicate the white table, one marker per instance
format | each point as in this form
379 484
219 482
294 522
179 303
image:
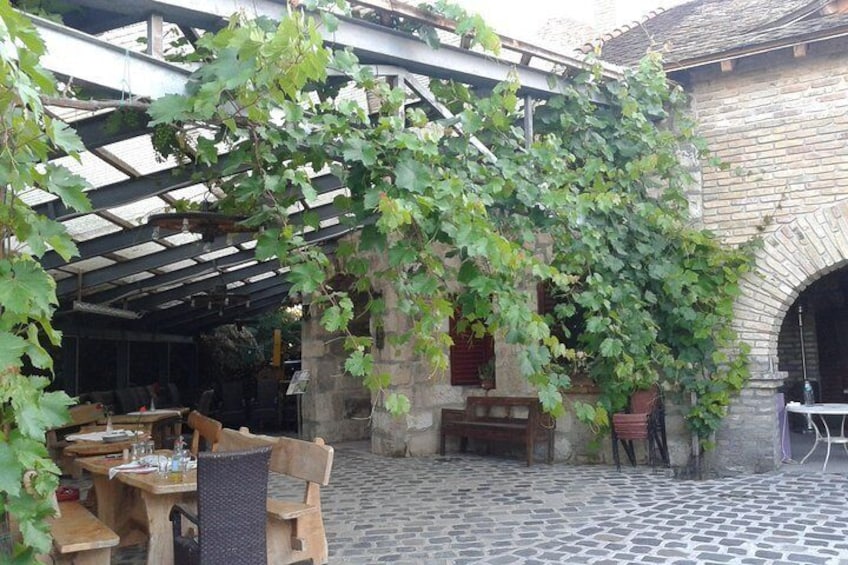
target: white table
820 425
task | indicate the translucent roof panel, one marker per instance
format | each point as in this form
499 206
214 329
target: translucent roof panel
262 276
176 266
137 212
140 276
219 253
92 168
180 238
194 193
241 266
139 154
35 196
90 226
91 264
139 250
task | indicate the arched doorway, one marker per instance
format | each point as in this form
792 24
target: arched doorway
792 259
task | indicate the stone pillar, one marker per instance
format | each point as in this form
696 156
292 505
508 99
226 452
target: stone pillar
749 439
416 433
335 406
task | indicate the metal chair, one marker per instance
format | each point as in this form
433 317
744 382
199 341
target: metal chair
231 498
644 421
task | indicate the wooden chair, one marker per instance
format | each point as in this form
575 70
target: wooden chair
296 530
80 415
206 429
644 421
231 491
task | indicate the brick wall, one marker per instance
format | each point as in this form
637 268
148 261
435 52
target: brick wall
782 125
785 122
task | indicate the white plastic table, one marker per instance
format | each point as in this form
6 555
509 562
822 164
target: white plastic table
820 425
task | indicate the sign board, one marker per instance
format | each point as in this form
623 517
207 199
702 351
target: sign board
298 383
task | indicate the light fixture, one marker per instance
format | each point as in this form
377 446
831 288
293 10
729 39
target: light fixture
91 308
208 224
218 299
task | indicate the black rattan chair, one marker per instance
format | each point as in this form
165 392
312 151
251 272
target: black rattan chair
232 487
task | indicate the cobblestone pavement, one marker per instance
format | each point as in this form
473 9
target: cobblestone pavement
464 509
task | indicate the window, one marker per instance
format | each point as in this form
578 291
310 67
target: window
467 355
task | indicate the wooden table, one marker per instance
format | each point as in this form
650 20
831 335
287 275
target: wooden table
78 449
120 500
154 422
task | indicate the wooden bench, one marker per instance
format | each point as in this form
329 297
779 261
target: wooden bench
295 528
79 538
80 415
500 419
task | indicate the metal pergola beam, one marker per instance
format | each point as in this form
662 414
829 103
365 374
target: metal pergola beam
100 130
145 263
186 290
75 54
171 277
372 43
256 308
185 312
124 192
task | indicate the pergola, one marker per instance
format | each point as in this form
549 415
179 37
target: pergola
179 283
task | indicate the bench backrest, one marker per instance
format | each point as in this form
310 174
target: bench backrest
501 408
311 461
206 428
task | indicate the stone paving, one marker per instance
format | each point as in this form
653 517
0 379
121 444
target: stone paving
464 509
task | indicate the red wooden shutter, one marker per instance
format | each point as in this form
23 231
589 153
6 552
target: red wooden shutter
467 355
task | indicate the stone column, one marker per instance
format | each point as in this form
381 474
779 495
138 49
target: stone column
335 406
749 439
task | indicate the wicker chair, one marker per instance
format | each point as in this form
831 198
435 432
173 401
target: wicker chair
644 421
231 490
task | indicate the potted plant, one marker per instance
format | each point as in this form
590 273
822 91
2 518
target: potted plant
486 374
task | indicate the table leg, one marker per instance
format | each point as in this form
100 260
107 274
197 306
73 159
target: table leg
815 426
160 548
114 501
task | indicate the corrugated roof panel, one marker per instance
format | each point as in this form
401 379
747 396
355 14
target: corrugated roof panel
180 238
87 227
93 263
140 276
219 253
137 212
263 276
176 266
138 153
140 250
92 168
241 266
36 196
193 193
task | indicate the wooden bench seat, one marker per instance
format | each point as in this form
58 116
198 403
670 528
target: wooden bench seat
295 528
80 538
500 419
289 510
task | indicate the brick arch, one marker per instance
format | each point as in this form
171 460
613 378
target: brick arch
793 257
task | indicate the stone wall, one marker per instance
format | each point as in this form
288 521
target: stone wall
782 124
